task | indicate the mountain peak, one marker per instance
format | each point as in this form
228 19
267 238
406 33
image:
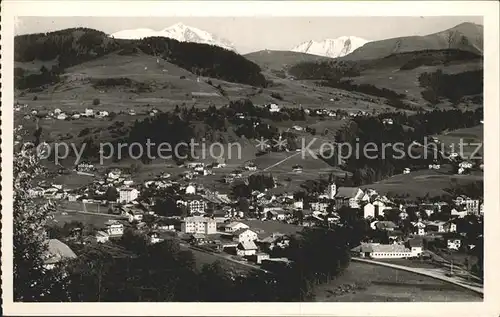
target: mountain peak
333 48
179 32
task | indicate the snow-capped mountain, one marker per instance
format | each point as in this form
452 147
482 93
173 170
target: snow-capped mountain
331 47
179 32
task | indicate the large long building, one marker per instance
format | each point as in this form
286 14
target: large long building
199 225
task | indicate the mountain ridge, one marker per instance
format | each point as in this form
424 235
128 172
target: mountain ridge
179 32
332 48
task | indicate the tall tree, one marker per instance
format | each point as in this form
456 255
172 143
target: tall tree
32 281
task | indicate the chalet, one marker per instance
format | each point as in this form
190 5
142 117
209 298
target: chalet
246 248
259 257
101 237
349 197
235 226
114 228
319 206
385 225
242 235
436 226
419 228
198 239
194 204
454 244
297 168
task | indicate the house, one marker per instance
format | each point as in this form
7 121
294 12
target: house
242 235
101 237
114 228
298 204
127 194
154 238
385 225
349 197
450 226
454 244
436 226
297 128
250 166
275 213
406 171
274 108
198 238
434 166
368 211
419 228
471 205
197 224
57 111
297 168
465 165
382 251
259 257
246 248
388 121
460 213
56 252
76 116
194 204
135 215
62 116
416 246
88 112
319 206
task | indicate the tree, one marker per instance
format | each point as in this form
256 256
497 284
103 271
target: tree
32 282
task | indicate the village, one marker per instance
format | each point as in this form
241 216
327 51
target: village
253 233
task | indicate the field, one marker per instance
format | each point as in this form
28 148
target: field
265 228
406 81
469 137
422 182
371 283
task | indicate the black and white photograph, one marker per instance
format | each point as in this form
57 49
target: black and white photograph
226 158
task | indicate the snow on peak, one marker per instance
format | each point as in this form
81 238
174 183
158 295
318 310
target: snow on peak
179 32
333 48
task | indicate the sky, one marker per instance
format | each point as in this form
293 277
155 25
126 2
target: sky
250 34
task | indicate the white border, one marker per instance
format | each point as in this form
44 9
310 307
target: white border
488 9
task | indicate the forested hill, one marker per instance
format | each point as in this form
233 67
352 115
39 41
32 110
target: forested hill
70 47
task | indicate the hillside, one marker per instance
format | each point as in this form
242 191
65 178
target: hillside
279 61
465 37
65 48
398 74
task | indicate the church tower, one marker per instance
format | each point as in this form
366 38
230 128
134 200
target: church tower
332 190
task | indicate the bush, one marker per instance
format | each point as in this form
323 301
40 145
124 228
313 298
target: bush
96 101
277 96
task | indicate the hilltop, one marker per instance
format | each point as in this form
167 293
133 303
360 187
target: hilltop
465 37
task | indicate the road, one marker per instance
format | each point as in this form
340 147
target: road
434 273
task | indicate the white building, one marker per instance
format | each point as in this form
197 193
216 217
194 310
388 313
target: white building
127 194
243 235
199 225
274 108
454 244
246 248
235 226
89 112
114 228
101 237
62 116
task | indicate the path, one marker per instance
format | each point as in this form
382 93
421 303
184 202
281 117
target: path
427 272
